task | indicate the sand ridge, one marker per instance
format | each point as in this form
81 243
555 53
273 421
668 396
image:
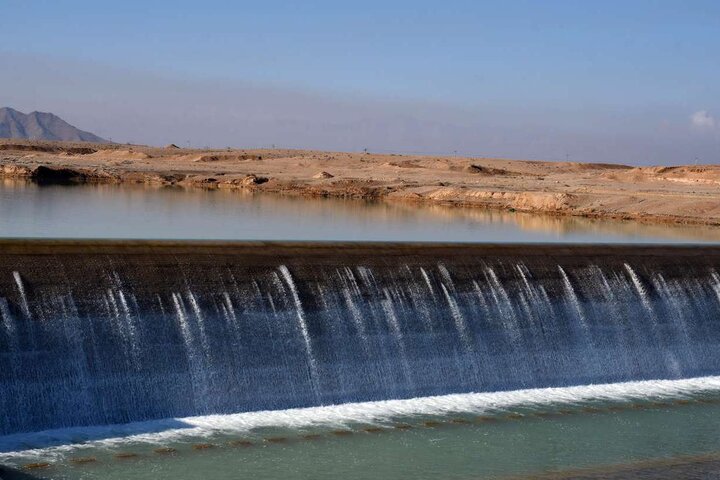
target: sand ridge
678 194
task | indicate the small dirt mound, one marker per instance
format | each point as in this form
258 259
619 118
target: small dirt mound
80 151
543 201
597 166
406 164
224 158
323 175
121 154
473 168
207 158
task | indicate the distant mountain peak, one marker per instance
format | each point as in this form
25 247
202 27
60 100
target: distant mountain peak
41 126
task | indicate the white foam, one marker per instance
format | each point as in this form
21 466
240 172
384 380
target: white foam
23 297
303 324
59 442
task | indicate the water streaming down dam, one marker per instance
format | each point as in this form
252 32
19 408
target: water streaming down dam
106 333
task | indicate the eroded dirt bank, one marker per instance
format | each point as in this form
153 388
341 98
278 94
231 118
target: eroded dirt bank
679 194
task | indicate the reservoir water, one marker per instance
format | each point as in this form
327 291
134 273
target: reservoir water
389 360
127 211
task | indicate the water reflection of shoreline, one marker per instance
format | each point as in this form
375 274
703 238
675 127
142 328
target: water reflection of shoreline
223 212
560 225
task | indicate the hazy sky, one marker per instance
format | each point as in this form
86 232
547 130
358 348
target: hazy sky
618 81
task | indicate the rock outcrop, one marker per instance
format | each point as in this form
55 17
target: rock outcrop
41 126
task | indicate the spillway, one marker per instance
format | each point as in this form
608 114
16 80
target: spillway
97 333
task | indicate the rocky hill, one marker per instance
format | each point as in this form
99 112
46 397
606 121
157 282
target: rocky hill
41 126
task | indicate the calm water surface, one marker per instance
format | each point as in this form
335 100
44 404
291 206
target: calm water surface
114 211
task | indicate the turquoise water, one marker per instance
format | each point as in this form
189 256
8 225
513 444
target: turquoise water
496 441
125 211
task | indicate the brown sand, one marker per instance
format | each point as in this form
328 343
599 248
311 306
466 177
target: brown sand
682 194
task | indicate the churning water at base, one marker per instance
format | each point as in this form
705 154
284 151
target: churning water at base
638 425
62 442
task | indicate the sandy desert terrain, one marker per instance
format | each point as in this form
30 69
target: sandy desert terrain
678 194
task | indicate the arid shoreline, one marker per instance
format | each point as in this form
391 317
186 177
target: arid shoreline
680 194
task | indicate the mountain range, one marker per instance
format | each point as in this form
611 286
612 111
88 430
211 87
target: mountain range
41 126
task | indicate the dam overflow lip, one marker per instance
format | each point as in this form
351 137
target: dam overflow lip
297 250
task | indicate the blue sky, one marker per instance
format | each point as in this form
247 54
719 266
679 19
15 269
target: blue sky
632 81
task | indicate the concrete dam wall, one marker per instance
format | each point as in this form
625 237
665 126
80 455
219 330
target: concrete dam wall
95 333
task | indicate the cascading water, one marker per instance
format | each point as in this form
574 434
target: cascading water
108 334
